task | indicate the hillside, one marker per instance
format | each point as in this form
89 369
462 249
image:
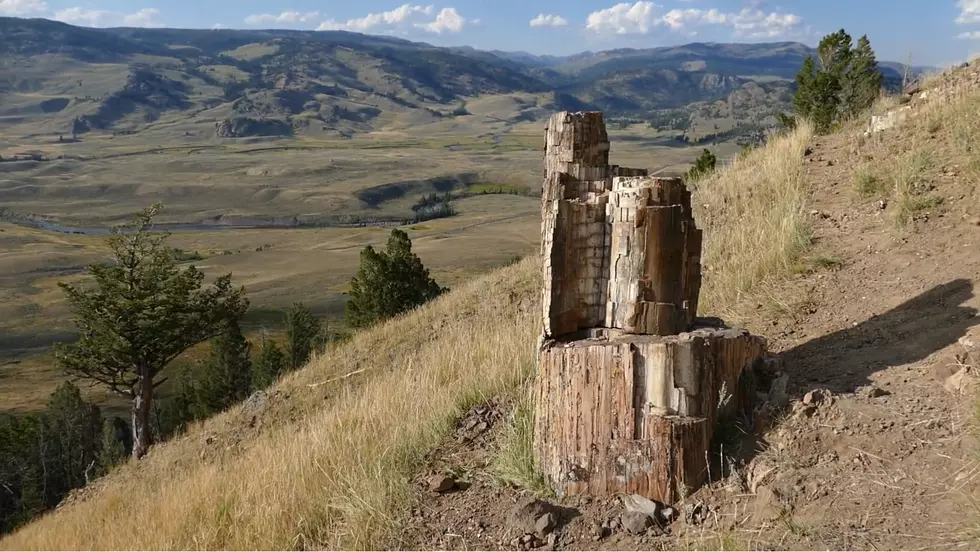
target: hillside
855 255
58 79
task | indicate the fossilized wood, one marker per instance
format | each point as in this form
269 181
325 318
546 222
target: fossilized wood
621 249
627 258
630 385
635 413
655 254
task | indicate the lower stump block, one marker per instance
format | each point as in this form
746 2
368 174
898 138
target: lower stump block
622 413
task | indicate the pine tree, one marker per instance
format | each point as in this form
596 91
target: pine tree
269 366
142 313
227 374
865 75
803 99
181 407
826 102
389 283
846 83
303 333
703 166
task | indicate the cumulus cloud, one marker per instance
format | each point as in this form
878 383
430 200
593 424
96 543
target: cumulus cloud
624 18
148 17
678 19
548 20
392 18
759 24
448 21
285 17
969 11
971 35
22 7
406 15
643 16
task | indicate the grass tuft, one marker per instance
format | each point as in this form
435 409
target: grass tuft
514 461
868 183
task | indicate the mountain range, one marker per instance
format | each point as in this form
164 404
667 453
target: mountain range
61 78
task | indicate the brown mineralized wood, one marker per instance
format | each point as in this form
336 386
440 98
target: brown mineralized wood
574 237
630 386
654 273
626 413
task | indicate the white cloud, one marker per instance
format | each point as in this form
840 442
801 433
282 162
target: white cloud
218 26
548 20
969 11
643 16
104 18
22 7
449 21
678 19
143 18
287 16
759 24
406 15
624 18
399 15
972 35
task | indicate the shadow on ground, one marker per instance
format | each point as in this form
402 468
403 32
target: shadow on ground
844 361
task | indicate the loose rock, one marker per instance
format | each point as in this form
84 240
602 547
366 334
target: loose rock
545 524
523 518
873 392
442 483
636 523
641 504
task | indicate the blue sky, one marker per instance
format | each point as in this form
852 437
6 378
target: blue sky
936 32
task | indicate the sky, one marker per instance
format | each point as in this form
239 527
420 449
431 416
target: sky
932 32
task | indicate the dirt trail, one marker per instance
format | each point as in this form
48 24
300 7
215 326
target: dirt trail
877 448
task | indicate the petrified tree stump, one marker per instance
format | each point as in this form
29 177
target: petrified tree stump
630 381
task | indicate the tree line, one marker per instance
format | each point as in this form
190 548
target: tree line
135 316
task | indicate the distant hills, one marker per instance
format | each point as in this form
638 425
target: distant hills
340 82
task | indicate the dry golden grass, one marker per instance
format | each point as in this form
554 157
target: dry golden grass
337 477
330 461
753 212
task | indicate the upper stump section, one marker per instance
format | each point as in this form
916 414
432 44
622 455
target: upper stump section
620 248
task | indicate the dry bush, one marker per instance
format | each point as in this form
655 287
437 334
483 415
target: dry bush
756 225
